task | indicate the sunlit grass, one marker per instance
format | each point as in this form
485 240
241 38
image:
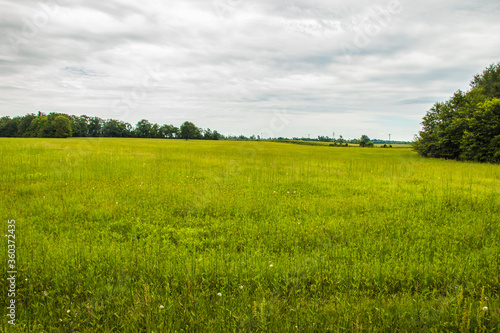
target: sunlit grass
137 235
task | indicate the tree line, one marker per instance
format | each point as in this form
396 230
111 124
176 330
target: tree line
467 126
61 125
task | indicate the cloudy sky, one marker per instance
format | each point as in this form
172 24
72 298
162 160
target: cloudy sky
270 67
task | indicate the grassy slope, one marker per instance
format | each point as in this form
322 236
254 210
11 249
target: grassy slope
294 238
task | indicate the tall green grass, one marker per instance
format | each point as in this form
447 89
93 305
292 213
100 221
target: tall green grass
137 235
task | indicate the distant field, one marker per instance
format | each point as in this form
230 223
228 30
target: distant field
143 235
321 143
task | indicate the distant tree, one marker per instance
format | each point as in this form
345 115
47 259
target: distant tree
79 126
144 129
155 131
24 125
40 127
207 134
365 138
62 126
116 128
9 127
188 130
199 133
168 131
54 125
95 125
217 136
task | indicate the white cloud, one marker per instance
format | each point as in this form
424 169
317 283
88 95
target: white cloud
362 67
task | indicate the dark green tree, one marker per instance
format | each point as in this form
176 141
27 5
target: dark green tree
95 125
207 134
216 135
40 127
168 131
116 129
188 130
480 141
24 125
62 126
79 126
467 125
144 129
9 127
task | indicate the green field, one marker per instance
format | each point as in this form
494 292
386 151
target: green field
138 235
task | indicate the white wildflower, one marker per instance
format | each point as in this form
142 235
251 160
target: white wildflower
219 294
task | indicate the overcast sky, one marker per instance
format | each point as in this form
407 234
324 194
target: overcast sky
276 68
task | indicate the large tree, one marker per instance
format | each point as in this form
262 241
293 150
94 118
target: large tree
467 126
144 129
95 125
116 128
62 126
168 131
25 123
189 131
8 126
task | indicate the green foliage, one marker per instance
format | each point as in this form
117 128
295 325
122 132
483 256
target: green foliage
365 138
41 127
480 141
188 130
24 124
56 125
168 131
116 129
364 141
144 129
466 126
9 127
79 126
132 235
62 127
95 126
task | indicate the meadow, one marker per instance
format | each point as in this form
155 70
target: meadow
146 235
